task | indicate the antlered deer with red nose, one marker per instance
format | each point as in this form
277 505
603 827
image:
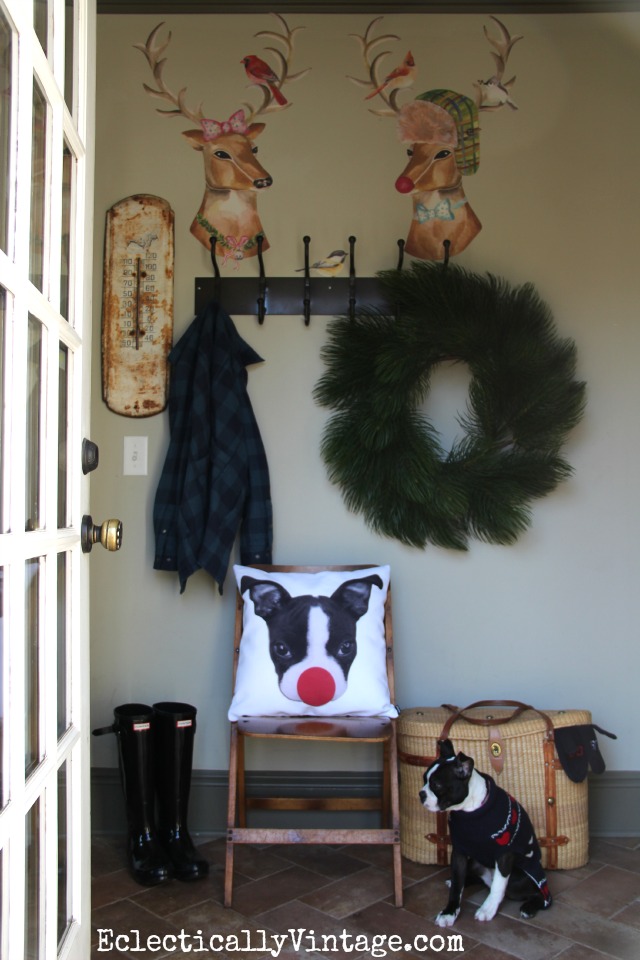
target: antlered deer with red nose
442 129
233 174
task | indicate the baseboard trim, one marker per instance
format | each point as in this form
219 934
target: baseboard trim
614 804
614 799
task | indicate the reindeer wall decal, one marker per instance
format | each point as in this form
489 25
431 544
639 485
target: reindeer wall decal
232 172
442 129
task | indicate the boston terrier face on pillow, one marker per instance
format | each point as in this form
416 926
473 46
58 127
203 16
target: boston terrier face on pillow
312 640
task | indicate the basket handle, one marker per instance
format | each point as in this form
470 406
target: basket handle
518 707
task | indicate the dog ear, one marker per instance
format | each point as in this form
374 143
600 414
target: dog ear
463 766
353 596
446 751
268 597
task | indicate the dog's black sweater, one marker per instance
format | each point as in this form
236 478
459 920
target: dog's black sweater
499 826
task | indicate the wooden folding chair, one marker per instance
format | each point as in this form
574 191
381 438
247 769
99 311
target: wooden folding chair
352 730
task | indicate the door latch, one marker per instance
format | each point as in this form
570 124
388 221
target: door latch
90 456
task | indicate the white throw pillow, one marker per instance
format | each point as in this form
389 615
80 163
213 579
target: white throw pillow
313 644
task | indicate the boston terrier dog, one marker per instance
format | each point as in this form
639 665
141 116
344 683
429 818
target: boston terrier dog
491 834
312 640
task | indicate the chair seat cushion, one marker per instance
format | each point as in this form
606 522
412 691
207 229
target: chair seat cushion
313 644
374 729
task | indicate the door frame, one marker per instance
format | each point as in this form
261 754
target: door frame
61 761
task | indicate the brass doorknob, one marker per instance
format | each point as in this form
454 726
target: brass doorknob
108 533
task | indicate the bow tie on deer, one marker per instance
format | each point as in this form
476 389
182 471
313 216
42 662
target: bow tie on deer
443 210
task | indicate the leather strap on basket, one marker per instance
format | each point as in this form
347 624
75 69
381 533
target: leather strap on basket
518 708
441 839
496 749
551 841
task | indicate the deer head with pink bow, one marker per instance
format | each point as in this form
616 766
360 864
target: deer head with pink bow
228 215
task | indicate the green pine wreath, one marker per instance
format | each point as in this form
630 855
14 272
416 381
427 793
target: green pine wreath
523 400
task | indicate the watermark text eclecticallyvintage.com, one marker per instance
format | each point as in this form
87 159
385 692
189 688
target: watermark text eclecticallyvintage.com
263 942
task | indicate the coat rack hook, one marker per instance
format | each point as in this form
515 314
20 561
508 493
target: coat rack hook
216 268
307 283
352 278
446 244
262 288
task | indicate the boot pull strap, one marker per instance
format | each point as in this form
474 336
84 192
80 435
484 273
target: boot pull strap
100 731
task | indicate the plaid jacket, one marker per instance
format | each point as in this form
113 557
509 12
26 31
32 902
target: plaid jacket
215 479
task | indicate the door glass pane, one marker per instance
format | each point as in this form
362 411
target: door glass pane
1 695
63 410
69 72
32 664
32 883
62 643
40 14
3 303
63 913
33 412
65 245
5 117
38 174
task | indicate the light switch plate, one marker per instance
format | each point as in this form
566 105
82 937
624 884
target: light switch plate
135 456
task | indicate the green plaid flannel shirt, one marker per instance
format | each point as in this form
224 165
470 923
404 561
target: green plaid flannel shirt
215 479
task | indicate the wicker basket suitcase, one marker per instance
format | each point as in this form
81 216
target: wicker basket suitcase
512 742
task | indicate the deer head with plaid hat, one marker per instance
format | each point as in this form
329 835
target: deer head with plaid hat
442 129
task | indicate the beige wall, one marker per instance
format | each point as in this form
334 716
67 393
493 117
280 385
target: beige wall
552 620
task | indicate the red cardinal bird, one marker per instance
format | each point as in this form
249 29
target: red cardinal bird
402 76
261 73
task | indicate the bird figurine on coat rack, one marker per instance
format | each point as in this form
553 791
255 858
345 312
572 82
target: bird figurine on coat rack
330 266
260 73
402 76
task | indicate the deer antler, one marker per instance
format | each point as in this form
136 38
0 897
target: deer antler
284 76
496 92
153 52
373 65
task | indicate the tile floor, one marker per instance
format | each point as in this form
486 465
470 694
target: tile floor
595 915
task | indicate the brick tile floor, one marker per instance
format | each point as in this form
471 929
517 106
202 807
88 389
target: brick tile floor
340 902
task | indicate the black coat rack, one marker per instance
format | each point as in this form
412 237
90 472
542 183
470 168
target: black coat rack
292 296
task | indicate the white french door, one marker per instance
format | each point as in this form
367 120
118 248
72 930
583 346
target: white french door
46 182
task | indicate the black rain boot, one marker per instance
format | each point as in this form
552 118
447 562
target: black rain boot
175 727
133 726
